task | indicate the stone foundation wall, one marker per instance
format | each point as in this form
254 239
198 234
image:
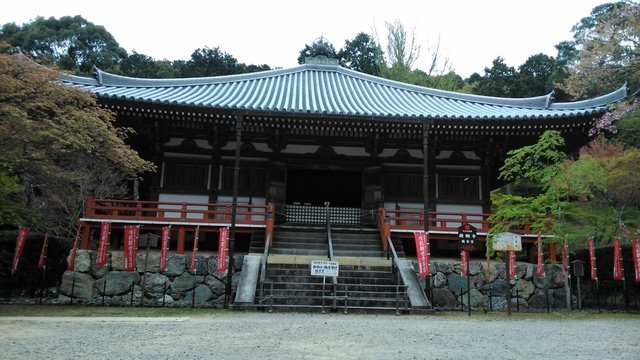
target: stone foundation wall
175 287
489 287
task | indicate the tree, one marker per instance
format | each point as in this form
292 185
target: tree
140 65
402 53
536 76
71 43
361 54
58 146
209 62
530 169
605 51
499 80
212 62
606 176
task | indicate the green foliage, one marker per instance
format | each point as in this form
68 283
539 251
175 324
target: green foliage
517 211
58 147
537 163
402 48
72 43
497 80
535 77
12 213
629 129
604 53
213 62
361 54
534 166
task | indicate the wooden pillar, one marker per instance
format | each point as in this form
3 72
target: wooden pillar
181 238
234 205
425 173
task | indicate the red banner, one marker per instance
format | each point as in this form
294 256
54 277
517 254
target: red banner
223 249
42 261
540 269
74 251
565 255
130 247
164 246
512 264
103 245
194 265
21 240
464 257
592 260
618 270
422 251
635 249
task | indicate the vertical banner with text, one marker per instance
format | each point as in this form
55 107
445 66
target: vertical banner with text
194 264
130 247
464 259
164 246
21 240
103 245
592 260
422 252
618 269
540 269
512 264
635 249
42 261
223 243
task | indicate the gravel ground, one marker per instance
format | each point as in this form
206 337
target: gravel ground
256 335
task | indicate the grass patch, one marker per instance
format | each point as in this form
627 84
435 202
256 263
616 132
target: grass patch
105 311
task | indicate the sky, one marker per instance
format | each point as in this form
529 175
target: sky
472 33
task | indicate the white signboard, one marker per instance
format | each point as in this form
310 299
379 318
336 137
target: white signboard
324 268
507 241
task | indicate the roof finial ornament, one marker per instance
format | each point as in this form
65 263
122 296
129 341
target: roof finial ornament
322 52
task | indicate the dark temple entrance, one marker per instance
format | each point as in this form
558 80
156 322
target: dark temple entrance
315 187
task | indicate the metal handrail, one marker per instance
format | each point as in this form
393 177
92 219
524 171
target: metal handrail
263 265
264 262
334 280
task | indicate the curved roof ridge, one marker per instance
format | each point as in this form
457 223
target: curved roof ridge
533 102
612 97
108 79
332 90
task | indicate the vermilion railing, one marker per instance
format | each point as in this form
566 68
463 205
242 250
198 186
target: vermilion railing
162 211
185 217
409 219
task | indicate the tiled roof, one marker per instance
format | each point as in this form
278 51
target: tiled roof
335 91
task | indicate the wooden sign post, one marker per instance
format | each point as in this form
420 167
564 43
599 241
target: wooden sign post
506 242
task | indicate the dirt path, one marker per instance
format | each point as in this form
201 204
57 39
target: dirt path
317 336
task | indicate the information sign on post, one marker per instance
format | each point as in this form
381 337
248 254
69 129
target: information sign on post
507 241
324 268
467 235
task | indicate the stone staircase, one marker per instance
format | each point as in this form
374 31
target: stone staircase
367 281
362 286
355 242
